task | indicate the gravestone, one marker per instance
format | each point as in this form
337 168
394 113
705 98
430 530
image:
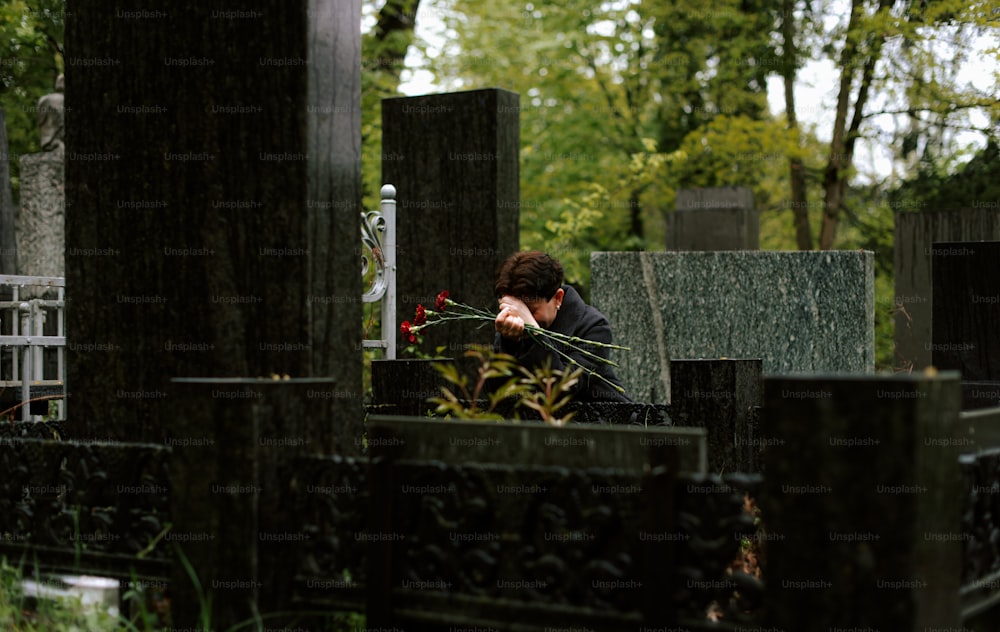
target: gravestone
862 502
8 245
40 232
194 250
720 396
796 311
966 317
715 218
915 234
454 161
197 141
41 219
233 442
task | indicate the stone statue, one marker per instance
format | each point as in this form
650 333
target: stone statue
50 118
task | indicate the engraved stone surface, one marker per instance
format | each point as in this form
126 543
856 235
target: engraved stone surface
796 311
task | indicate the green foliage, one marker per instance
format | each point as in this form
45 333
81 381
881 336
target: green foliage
383 49
464 401
31 57
23 612
932 188
550 391
501 379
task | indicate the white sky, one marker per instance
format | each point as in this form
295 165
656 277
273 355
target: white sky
815 91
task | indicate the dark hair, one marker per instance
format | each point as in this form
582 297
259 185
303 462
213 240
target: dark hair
529 276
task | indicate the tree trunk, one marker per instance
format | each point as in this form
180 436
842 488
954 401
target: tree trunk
837 163
844 137
394 32
797 175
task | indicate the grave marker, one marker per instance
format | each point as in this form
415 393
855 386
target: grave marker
859 502
714 218
915 234
796 311
454 159
966 317
213 229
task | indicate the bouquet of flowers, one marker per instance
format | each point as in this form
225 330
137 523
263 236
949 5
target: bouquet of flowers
446 310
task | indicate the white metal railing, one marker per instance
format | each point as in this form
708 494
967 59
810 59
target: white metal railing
22 321
378 259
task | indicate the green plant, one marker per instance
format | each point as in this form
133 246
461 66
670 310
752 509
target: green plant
20 611
549 392
464 401
500 378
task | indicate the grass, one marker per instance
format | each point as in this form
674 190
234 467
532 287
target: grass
26 613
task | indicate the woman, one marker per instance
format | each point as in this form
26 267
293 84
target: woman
529 286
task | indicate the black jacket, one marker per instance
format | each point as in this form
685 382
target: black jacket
575 318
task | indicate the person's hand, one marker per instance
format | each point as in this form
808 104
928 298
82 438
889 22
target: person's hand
513 316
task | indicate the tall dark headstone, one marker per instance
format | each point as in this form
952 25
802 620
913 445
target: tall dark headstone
915 234
862 502
454 161
213 183
966 317
714 218
720 395
8 246
232 444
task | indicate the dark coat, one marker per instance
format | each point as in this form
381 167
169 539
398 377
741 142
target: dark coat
575 318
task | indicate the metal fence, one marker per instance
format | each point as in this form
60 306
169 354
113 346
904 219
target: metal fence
378 266
32 346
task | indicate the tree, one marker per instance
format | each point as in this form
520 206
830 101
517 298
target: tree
602 114
892 46
31 57
383 51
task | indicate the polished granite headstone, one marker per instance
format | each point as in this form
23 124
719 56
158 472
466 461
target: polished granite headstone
720 396
862 502
915 235
211 230
454 161
213 188
966 317
796 311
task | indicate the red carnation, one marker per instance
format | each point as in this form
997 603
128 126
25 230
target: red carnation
404 329
421 317
442 301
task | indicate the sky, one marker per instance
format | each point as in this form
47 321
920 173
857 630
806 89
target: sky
815 91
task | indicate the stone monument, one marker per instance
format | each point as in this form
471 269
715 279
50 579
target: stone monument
40 224
799 312
715 218
454 160
915 235
51 118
